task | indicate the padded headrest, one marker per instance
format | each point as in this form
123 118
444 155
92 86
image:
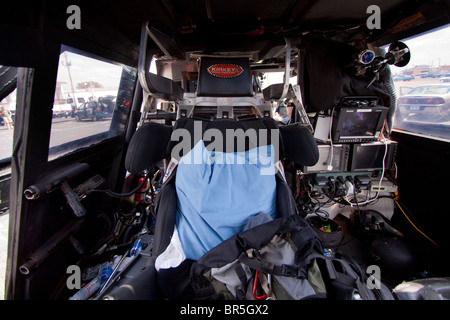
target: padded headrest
227 130
296 141
274 92
299 144
147 146
224 77
152 142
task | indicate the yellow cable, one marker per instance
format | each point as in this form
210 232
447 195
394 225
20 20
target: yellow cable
414 224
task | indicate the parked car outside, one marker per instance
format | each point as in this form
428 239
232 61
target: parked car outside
445 79
429 75
62 110
403 77
92 110
74 104
428 103
109 103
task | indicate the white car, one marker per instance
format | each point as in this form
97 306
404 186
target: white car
62 110
429 103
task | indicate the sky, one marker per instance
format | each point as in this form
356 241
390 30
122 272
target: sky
87 69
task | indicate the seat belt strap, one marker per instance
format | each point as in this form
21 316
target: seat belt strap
170 167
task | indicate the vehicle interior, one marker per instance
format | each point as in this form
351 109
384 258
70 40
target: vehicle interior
313 79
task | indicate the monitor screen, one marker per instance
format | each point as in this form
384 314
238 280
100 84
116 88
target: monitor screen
369 156
359 123
339 161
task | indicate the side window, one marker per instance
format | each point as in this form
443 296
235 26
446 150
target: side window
8 94
8 78
92 101
423 86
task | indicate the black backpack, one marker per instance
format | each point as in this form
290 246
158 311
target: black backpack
281 259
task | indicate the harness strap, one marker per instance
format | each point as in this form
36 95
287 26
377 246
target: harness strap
270 268
203 289
240 293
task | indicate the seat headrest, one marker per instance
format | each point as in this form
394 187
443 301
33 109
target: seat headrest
275 91
299 144
221 135
153 142
224 77
296 142
147 146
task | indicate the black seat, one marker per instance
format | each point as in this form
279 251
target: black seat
153 142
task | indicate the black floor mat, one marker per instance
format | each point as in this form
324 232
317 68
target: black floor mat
351 245
356 248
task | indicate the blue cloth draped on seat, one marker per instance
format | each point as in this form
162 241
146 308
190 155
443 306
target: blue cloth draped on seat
219 192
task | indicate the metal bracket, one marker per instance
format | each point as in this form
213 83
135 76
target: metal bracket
287 70
298 102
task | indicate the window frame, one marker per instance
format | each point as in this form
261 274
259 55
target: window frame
66 148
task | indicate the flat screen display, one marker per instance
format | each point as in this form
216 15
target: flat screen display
359 124
369 156
339 161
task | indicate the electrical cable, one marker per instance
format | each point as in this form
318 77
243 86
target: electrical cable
123 195
356 199
383 166
308 203
316 207
415 227
381 179
396 170
330 154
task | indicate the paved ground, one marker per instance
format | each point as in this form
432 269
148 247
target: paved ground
4 221
63 130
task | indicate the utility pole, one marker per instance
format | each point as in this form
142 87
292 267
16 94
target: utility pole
68 64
